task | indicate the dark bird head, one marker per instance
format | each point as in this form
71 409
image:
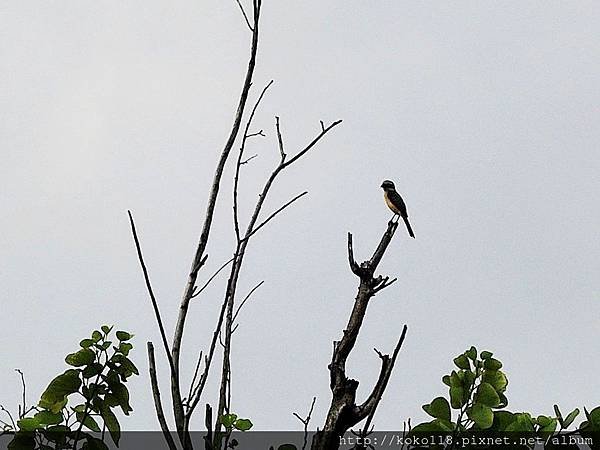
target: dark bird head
388 185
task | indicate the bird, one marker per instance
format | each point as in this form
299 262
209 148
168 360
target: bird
394 201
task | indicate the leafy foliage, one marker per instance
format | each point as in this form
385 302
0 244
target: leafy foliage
82 399
476 402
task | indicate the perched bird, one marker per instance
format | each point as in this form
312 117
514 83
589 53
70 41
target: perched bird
396 204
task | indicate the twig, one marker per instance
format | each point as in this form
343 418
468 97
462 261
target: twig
246 299
151 294
245 16
194 377
199 291
236 178
10 417
175 387
156 395
273 214
306 422
24 405
386 371
280 139
247 160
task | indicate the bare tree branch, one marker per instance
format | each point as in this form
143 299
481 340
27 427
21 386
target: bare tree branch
237 265
236 177
280 139
245 16
181 421
306 421
212 277
193 382
273 214
156 396
23 406
344 413
241 305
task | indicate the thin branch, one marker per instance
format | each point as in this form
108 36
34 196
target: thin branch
273 214
180 418
247 160
280 139
258 133
213 276
245 16
353 264
10 417
24 388
190 392
306 421
246 299
387 365
236 178
151 294
237 265
157 401
323 132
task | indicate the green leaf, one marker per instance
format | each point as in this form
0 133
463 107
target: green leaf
558 414
550 427
435 426
485 354
54 397
111 422
446 380
125 347
462 362
455 379
85 343
502 419
123 335
593 419
457 399
227 420
482 415
83 357
439 408
28 424
242 424
570 418
492 364
48 418
121 395
92 370
106 329
87 421
522 423
123 365
96 336
487 395
472 353
104 346
496 378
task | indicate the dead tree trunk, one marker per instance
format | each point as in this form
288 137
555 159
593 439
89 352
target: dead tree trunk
344 412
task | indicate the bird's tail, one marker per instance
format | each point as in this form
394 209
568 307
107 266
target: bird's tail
408 227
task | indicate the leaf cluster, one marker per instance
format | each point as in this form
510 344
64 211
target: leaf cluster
82 399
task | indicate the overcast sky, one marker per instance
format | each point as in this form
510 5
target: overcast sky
485 114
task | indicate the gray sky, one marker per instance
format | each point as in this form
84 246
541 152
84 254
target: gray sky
484 113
